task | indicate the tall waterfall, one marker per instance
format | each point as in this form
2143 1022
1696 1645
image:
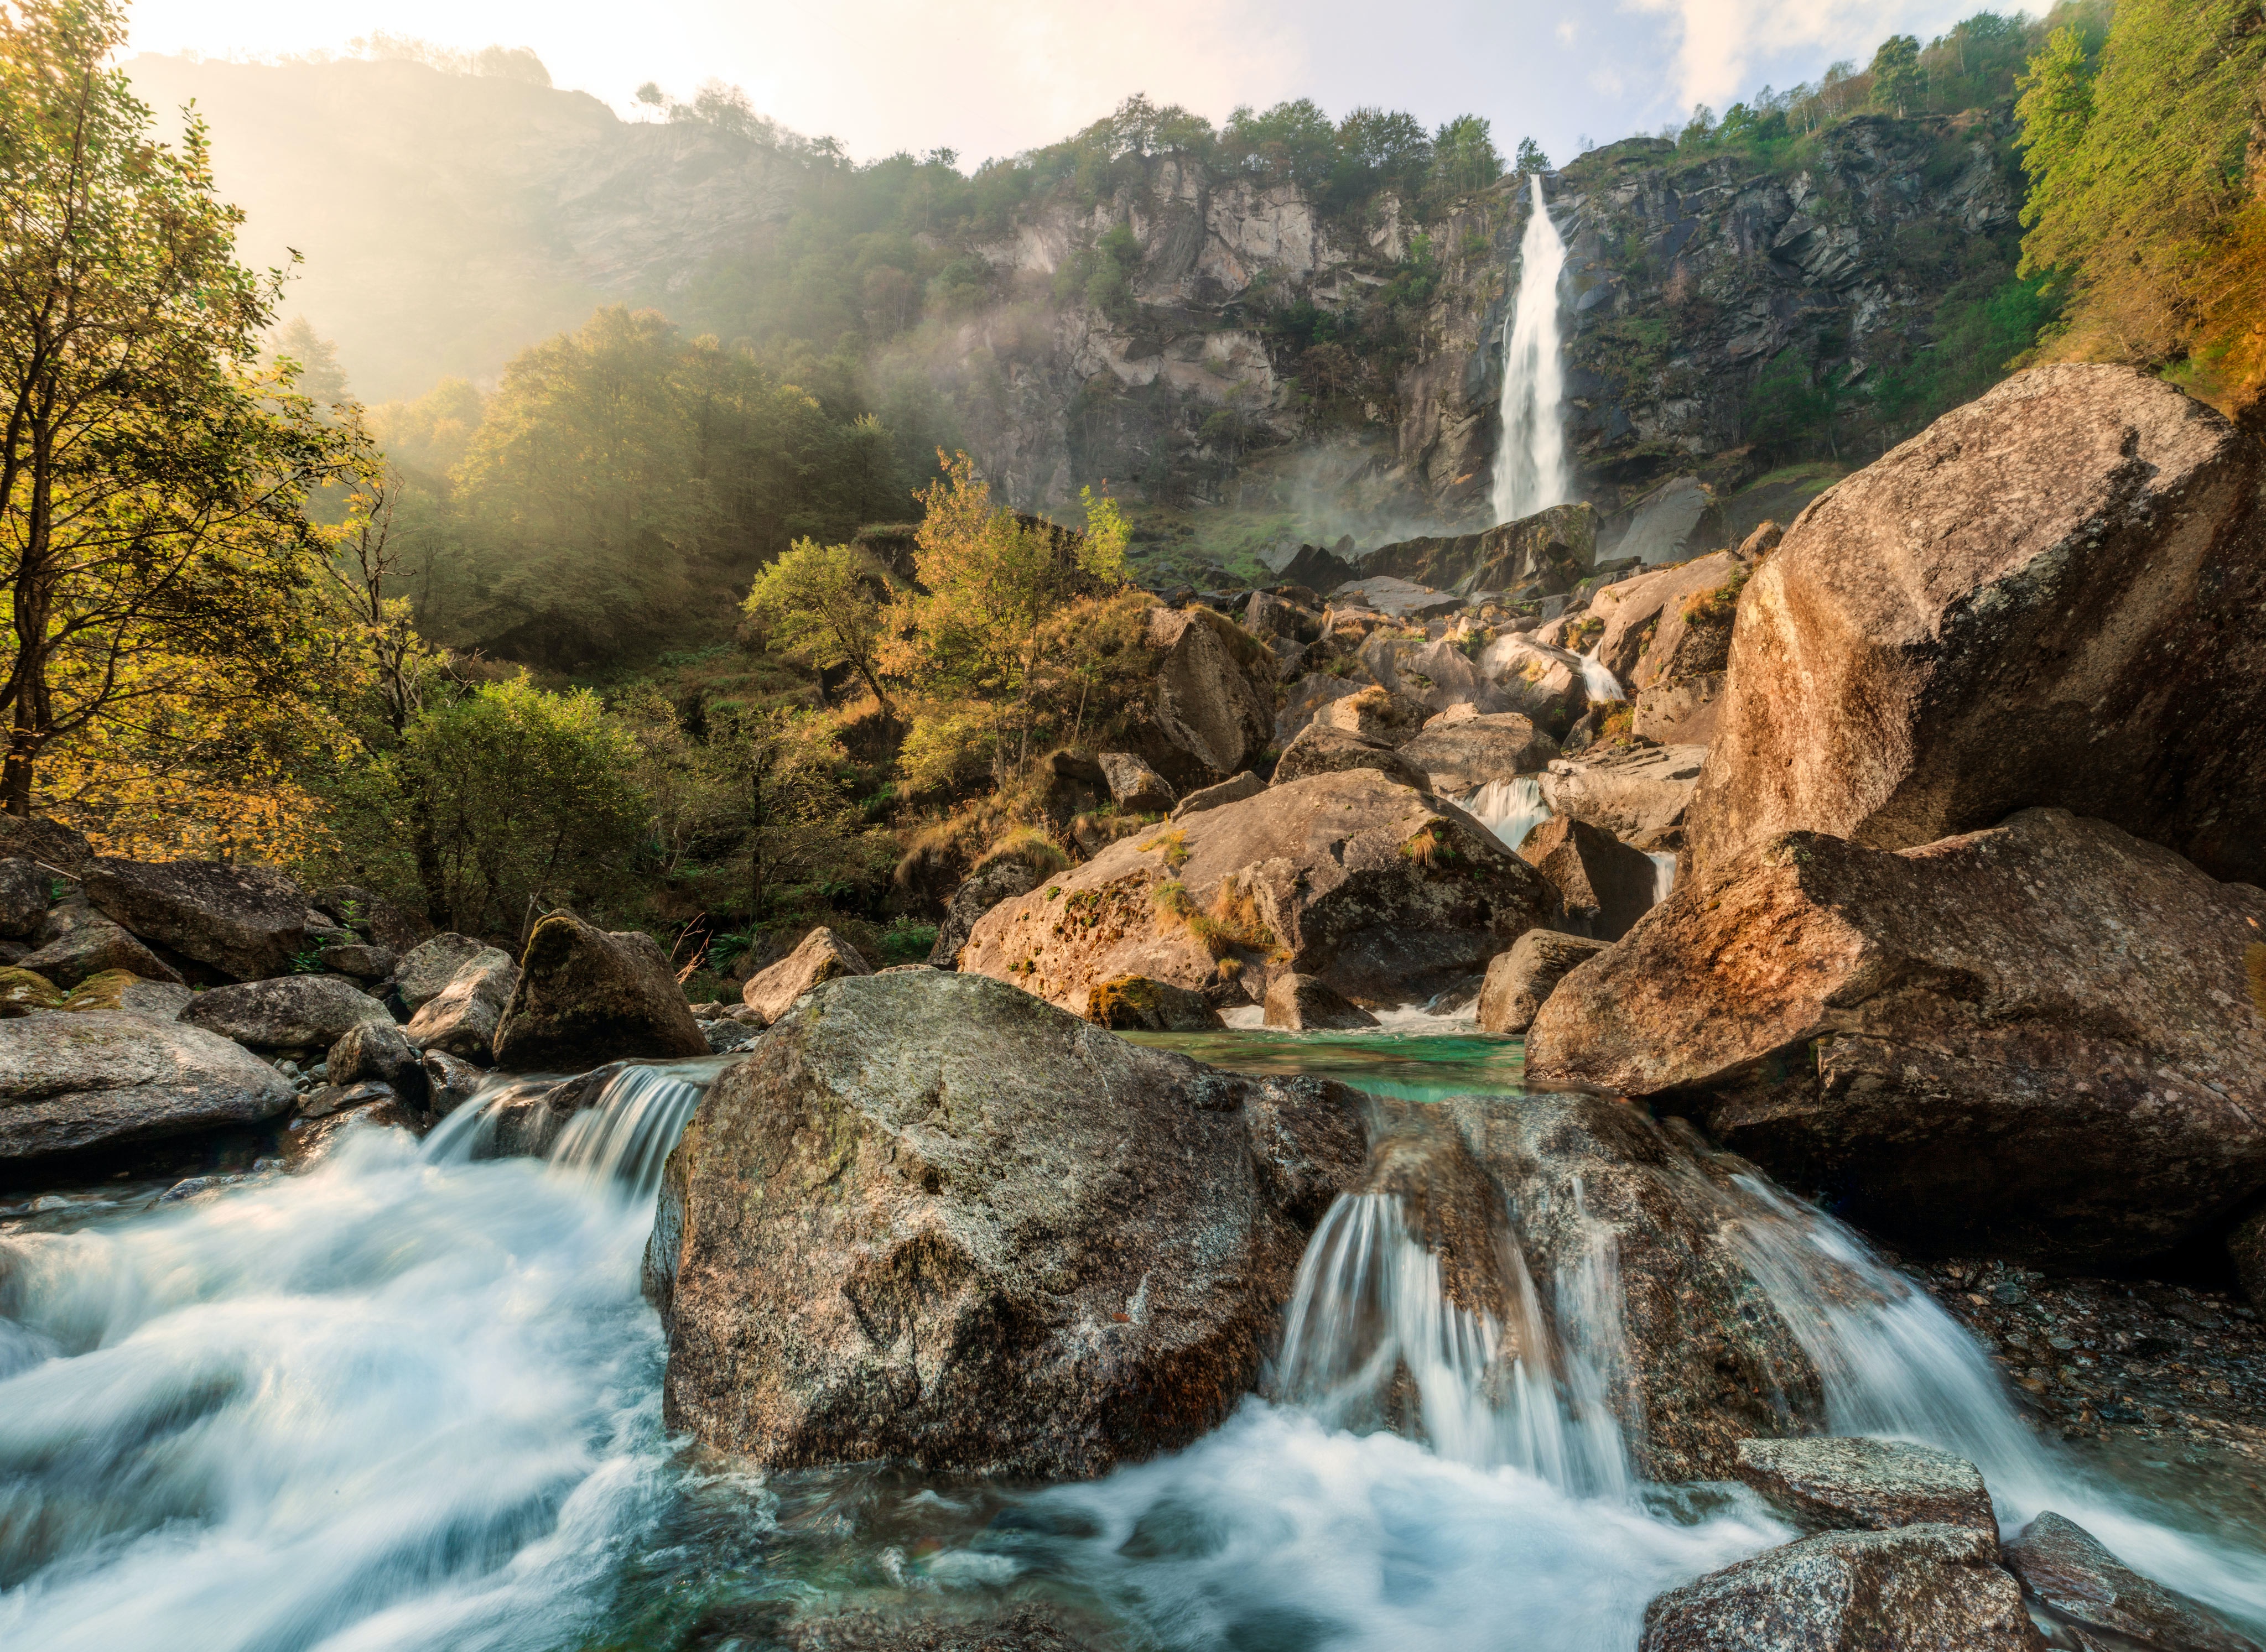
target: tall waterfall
1529 465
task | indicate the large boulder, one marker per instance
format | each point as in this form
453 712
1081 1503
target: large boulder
1520 981
1235 788
1632 791
1604 886
1134 1003
930 1219
1673 624
1001 880
1462 749
2048 597
1918 1589
376 1053
1384 892
308 1142
107 1077
47 843
424 971
1322 748
1302 1004
1306 699
248 922
2077 1584
2035 1040
1215 688
84 945
821 955
291 1012
586 995
396 928
1133 786
23 899
1435 673
120 989
1541 682
462 1017
1377 713
1853 1484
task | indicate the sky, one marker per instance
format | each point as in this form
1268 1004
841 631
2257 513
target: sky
993 77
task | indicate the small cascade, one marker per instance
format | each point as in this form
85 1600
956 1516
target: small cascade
1597 681
1664 877
618 1137
1530 466
1510 808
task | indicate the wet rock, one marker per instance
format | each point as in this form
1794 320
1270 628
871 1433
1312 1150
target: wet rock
310 1140
821 955
1604 886
91 946
1215 688
586 995
1377 714
325 1099
1630 791
1134 1003
1519 981
463 1016
962 1627
358 959
1918 1589
377 1051
119 989
2048 598
1384 892
1325 749
105 1077
1133 786
425 970
1865 1485
291 1012
449 1081
1001 880
1458 753
1302 1004
23 899
249 922
23 991
2035 1040
1234 790
2077 1582
931 1219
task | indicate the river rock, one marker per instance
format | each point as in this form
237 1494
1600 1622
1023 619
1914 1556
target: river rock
1460 752
2032 1041
91 946
463 1016
932 1220
377 1051
23 991
291 1012
821 955
1303 1003
1519 981
309 1141
359 960
1001 880
1384 892
326 1099
586 995
2048 597
1377 714
425 970
1854 1484
1648 636
1234 790
1604 886
1133 786
107 1077
1134 1003
249 922
2064 1570
1632 791
1322 748
1540 682
449 1081
1918 1589
1215 688
23 899
119 989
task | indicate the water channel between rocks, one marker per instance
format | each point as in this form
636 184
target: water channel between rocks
412 1400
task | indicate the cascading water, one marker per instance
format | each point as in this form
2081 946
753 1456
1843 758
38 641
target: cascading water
1530 464
1510 808
1598 680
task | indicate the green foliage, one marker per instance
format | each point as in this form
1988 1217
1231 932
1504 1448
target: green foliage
1897 82
1464 156
1530 157
1979 335
1790 409
823 606
908 942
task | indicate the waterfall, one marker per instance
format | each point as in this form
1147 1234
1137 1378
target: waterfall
1664 877
1510 808
1530 462
1598 680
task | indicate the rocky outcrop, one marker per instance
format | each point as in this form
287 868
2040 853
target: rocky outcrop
1636 792
1134 786
292 1012
1215 688
1835 1483
586 995
1435 674
1384 892
2035 1040
1604 886
462 1017
96 1080
1322 748
1001 880
1304 700
930 1219
1542 554
249 922
1134 1003
1301 1003
2048 598
1461 749
1520 981
2076 1582
1921 1586
1654 631
821 955
1536 680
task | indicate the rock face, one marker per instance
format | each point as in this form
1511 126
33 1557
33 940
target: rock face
2032 1040
1233 790
427 968
1001 880
462 1017
1459 754
1384 892
1134 1003
2048 597
292 1012
587 995
23 899
1632 791
1519 981
104 1077
1604 886
1301 1003
1539 681
1322 748
1921 1588
930 1219
2078 1582
821 955
1305 700
1864 1485
246 921
1133 786
1214 687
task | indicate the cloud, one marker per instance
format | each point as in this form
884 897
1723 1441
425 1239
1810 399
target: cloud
1568 32
1724 45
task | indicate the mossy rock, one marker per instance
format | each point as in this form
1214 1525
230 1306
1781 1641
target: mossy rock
1135 1003
23 991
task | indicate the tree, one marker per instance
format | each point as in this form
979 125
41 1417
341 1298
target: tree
823 606
1895 73
1464 157
1530 157
155 552
780 768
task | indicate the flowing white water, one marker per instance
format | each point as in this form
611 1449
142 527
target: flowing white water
1530 463
1598 680
1664 877
1510 808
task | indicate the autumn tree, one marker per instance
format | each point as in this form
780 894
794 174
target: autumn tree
825 606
